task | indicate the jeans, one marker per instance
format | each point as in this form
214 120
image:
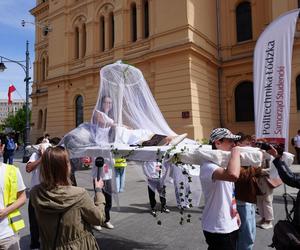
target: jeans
120 179
218 241
8 155
247 231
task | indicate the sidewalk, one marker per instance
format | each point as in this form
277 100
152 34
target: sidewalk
135 228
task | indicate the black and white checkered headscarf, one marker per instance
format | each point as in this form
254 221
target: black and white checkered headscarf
220 133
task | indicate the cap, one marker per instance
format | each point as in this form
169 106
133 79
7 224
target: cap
220 133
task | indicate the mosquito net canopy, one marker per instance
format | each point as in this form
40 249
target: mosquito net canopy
125 107
125 111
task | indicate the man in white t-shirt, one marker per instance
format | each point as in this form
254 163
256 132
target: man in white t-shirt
33 167
220 219
8 238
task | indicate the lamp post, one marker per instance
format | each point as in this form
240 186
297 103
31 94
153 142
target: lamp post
26 80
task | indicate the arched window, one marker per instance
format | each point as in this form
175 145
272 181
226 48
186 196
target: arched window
44 68
102 34
76 52
111 30
298 91
40 119
146 18
244 104
133 23
243 22
45 119
79 110
83 42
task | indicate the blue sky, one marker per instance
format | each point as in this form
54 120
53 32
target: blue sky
13 43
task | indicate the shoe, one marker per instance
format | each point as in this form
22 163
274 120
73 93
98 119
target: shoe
177 139
108 225
261 221
153 212
165 210
98 228
266 225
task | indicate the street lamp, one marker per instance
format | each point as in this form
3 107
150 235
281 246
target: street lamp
26 80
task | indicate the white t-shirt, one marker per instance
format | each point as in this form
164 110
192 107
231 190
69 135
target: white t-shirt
218 196
297 141
35 174
5 229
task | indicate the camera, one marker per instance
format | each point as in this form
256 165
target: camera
263 145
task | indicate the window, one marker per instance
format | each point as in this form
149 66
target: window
45 119
298 91
243 22
146 18
40 119
79 110
244 104
133 22
102 34
44 68
111 30
76 43
83 44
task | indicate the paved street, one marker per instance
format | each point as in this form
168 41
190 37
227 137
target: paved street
135 228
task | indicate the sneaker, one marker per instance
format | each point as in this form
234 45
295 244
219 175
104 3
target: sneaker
165 210
261 221
177 139
98 228
153 212
266 225
108 225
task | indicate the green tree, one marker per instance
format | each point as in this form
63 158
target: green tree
17 122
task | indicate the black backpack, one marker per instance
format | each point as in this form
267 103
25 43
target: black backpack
286 235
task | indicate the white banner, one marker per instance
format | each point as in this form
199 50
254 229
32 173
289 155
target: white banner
272 79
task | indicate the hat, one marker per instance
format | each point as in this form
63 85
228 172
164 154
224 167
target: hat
220 133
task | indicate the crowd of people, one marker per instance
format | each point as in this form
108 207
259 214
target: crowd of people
62 215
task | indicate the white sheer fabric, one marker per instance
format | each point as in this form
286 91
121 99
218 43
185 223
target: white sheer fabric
126 107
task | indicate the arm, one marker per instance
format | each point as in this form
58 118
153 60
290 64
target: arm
287 176
93 213
21 199
32 165
232 172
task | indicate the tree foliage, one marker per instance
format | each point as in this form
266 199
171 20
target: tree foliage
17 122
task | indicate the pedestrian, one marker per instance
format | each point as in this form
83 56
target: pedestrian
120 167
8 148
65 213
156 174
246 190
296 144
106 176
12 197
220 219
33 167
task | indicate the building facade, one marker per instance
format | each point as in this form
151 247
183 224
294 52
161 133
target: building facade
196 55
7 109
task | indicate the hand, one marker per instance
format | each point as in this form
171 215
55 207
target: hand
238 218
99 184
235 151
3 213
28 168
272 151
